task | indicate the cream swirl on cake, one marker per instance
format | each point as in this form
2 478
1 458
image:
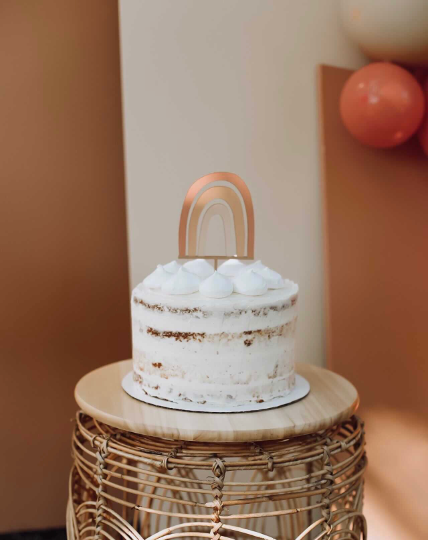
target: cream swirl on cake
200 267
256 266
157 278
249 283
223 340
231 267
216 286
172 267
272 278
182 282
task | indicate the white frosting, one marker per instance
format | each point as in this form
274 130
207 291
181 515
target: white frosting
157 278
217 307
173 267
272 278
250 283
183 282
231 268
257 265
233 350
216 286
197 340
257 283
200 267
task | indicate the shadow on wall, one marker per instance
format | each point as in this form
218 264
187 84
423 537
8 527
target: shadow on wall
396 489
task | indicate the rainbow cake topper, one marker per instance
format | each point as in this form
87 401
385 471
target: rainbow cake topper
225 197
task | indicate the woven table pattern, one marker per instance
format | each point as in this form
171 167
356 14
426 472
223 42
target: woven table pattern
135 487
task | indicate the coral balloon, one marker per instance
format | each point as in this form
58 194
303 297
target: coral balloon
382 105
394 30
423 130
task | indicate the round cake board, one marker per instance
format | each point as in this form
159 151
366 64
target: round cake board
300 390
331 400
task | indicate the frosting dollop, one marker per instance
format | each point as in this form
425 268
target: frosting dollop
257 265
183 282
157 278
200 267
216 286
172 267
272 278
250 283
231 268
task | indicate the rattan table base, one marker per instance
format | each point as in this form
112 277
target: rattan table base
133 486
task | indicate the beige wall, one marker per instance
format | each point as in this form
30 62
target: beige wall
230 85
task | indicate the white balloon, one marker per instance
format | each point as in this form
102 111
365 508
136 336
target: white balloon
390 30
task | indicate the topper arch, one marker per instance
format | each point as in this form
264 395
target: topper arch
233 190
222 210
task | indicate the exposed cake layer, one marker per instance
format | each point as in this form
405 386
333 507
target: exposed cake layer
231 350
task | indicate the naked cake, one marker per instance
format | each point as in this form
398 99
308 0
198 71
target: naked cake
223 338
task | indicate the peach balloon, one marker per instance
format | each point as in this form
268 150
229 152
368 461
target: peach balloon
393 30
382 105
423 130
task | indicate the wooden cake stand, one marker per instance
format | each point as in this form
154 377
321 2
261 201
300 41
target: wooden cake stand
145 472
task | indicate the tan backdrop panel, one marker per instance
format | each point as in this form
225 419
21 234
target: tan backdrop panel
64 281
376 229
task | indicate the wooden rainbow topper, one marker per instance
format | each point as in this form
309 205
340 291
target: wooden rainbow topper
226 198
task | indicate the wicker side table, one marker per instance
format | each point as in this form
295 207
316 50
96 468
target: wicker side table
142 472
